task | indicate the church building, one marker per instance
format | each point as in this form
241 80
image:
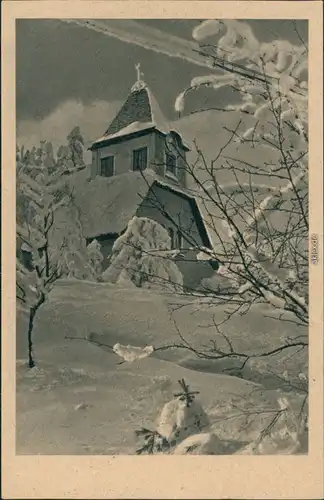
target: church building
139 169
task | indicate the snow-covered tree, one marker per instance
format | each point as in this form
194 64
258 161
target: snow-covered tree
50 243
259 217
43 196
257 214
95 258
76 145
137 257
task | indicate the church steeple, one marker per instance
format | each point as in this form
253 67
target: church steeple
140 111
136 138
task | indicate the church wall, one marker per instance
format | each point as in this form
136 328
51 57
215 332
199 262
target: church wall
123 153
193 270
160 149
178 208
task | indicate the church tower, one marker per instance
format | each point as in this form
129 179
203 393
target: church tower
139 138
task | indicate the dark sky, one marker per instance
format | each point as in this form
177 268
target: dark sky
58 62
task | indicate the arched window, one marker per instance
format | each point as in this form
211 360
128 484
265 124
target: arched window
171 163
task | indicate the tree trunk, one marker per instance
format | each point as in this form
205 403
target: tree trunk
31 362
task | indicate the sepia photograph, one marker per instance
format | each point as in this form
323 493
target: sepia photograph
162 236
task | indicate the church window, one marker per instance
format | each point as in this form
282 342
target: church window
107 166
140 159
171 234
171 163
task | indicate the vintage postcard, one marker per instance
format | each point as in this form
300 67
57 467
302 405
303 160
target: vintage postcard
162 249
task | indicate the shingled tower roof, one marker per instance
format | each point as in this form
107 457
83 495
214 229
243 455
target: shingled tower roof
141 107
140 112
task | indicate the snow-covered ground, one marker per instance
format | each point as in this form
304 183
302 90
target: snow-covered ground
80 400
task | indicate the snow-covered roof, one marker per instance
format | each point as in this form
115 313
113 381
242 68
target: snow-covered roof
108 204
139 112
132 128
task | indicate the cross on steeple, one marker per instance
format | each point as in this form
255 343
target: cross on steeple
138 71
139 84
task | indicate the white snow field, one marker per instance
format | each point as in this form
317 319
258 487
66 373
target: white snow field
80 400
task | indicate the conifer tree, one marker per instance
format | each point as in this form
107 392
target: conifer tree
137 260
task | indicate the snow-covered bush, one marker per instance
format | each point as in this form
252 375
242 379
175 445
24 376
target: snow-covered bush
184 427
75 266
135 257
177 420
180 418
282 437
95 258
